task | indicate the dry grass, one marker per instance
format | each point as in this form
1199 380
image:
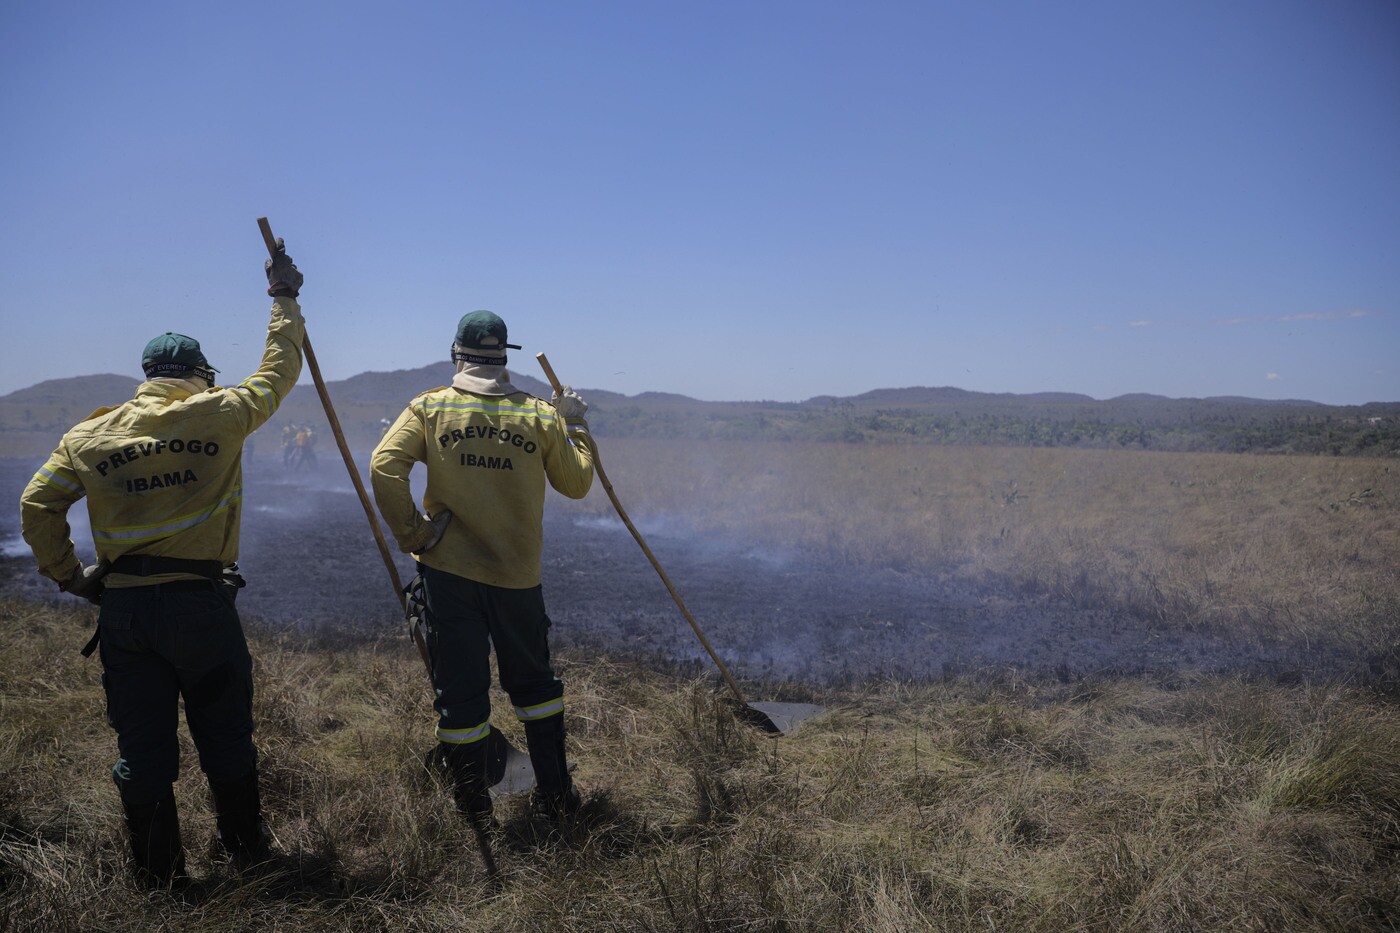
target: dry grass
1179 803
1194 804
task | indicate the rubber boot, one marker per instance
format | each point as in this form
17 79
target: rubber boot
466 766
555 794
238 818
158 858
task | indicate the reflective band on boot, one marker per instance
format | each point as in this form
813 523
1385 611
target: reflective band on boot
540 710
463 736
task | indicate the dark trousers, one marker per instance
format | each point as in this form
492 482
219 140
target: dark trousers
465 619
160 644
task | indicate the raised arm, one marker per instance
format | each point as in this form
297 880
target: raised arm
258 396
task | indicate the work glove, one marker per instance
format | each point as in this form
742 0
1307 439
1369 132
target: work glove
86 582
283 279
569 405
439 523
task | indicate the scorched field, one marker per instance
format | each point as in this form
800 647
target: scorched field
1067 690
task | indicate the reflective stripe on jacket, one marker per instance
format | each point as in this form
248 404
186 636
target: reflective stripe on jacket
162 473
488 457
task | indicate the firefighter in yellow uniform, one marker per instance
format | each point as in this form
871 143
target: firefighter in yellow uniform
164 488
489 450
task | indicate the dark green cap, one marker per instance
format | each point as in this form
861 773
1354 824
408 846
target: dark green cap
482 330
173 354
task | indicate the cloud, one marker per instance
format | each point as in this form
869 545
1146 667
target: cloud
1323 315
1272 377
1139 323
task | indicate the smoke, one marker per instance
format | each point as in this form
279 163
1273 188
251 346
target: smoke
781 614
312 565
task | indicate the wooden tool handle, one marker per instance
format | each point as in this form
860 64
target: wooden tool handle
549 373
349 459
268 238
655 564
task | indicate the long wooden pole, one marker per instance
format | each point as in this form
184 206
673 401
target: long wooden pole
349 459
656 565
483 840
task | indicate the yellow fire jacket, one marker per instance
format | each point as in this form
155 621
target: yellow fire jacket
488 457
163 472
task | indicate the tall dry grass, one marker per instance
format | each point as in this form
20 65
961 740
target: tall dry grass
1178 803
1189 803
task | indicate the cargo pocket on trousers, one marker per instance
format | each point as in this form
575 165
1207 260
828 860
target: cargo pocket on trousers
114 620
114 627
113 635
207 632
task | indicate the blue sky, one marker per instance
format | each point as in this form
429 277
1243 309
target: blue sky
730 200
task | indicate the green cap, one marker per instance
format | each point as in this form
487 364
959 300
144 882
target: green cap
482 330
173 354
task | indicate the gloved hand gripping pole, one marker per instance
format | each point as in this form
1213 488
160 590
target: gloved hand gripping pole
271 242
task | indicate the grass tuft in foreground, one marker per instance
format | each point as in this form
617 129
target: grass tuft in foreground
1120 804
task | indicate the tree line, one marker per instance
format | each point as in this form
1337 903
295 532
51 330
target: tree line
1236 432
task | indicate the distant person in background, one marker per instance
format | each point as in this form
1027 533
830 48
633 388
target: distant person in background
489 448
304 457
164 486
289 433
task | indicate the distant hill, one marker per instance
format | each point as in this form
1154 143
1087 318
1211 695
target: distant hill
1139 397
912 396
399 386
1241 400
32 419
92 391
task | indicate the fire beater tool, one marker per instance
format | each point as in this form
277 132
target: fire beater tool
777 718
511 772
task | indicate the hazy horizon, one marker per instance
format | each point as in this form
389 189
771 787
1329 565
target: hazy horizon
306 381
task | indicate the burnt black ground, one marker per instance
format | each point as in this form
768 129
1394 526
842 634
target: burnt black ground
312 567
